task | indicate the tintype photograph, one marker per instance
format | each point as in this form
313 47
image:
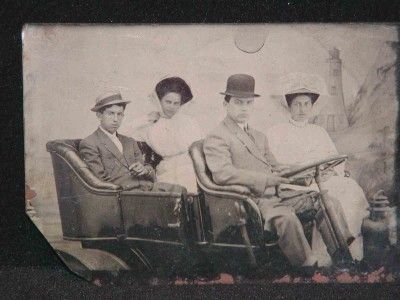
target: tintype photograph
214 154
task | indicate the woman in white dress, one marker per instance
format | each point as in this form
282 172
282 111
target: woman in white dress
169 133
297 141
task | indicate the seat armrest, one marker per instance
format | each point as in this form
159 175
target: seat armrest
234 188
231 194
152 194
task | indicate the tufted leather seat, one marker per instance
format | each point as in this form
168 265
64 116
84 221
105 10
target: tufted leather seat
91 208
204 175
222 202
68 149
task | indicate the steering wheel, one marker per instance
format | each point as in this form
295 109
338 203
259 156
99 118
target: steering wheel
332 219
323 164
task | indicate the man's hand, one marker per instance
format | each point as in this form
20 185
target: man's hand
273 180
138 169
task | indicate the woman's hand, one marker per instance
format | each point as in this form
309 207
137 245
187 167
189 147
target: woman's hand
273 180
281 168
327 173
154 116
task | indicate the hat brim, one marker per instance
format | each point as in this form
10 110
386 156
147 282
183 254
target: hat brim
238 95
97 108
289 97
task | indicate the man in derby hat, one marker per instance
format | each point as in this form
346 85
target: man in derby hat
114 157
238 154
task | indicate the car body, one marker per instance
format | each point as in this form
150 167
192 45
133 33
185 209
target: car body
154 231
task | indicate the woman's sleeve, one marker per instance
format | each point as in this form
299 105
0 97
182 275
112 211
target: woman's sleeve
189 131
140 127
270 157
330 149
161 138
197 130
271 143
328 146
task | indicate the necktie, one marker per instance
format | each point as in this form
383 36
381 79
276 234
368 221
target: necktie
246 129
117 143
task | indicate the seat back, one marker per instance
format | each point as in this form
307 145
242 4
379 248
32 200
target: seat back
68 150
220 208
88 206
203 173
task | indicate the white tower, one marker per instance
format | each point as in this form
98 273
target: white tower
333 115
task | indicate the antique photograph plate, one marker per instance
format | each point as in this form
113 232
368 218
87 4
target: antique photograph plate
214 154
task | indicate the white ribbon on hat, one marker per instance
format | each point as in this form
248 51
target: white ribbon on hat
141 124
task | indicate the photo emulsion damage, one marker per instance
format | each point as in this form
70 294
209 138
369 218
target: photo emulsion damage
214 154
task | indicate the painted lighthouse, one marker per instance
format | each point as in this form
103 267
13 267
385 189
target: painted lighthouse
333 115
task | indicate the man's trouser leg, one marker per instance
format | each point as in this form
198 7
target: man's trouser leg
168 187
291 239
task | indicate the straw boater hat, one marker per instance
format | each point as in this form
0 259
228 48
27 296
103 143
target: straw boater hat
240 86
108 98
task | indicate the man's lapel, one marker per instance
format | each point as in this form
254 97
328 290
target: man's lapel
110 146
244 138
126 149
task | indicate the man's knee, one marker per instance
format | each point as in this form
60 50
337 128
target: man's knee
286 221
168 187
175 188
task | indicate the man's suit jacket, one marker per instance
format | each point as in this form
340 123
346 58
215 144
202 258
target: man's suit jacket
108 163
234 157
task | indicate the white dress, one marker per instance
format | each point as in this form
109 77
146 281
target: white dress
171 139
299 142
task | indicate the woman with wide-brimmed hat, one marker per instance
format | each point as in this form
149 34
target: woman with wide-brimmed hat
169 133
297 141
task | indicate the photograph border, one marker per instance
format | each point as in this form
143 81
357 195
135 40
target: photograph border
28 264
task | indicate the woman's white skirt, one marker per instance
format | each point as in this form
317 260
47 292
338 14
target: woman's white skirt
178 169
354 204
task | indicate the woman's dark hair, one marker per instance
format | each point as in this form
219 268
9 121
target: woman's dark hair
174 85
290 97
101 110
227 98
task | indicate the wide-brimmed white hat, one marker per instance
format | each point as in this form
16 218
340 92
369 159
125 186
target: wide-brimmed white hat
295 84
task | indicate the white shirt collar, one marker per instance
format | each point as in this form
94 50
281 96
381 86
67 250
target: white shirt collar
112 135
243 126
298 123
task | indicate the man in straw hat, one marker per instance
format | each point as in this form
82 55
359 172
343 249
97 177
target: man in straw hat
114 157
238 154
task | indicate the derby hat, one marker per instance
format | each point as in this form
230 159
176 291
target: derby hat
240 86
108 98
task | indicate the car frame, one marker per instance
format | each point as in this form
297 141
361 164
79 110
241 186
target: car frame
108 229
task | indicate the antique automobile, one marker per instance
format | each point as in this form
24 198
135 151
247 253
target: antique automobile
106 228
